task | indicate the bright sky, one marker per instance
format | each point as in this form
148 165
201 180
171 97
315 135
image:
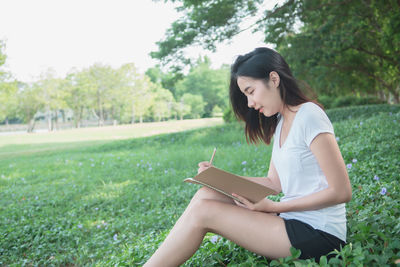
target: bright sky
63 34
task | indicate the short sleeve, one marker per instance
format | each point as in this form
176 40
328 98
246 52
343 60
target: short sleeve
315 122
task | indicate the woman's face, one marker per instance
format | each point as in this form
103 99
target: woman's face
261 96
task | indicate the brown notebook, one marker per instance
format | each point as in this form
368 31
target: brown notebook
228 183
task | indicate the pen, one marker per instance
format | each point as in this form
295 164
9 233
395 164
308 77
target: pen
212 157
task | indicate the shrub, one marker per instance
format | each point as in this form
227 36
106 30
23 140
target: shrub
229 116
344 101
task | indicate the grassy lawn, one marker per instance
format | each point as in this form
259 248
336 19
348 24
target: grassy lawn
87 199
16 145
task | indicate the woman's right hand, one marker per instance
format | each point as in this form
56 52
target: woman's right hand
203 166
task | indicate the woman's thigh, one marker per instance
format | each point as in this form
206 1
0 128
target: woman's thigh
207 193
259 232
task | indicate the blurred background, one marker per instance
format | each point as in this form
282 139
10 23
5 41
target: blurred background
72 64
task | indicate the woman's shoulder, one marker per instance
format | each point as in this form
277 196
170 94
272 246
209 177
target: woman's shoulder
311 112
311 106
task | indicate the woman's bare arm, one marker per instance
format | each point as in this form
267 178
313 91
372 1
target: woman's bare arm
272 180
325 149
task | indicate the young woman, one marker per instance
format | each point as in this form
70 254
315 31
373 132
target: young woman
306 165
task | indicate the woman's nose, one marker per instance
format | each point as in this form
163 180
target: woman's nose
250 102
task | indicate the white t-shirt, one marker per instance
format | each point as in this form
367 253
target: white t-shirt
299 172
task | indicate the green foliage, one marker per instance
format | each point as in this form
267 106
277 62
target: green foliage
113 204
8 100
337 47
204 23
345 101
2 58
211 84
229 116
340 48
360 112
196 104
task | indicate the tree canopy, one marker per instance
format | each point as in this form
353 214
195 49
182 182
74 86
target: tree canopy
336 46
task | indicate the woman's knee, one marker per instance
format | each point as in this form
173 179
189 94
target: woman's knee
200 211
207 193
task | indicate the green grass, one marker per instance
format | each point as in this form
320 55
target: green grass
113 203
16 145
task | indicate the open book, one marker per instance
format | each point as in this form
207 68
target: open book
228 183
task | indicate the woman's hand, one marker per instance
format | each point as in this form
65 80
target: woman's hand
203 166
264 205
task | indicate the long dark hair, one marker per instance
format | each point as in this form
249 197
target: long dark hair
258 64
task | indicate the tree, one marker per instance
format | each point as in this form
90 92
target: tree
137 93
353 46
53 94
3 58
30 101
162 102
195 103
338 46
8 100
211 84
101 82
205 23
167 80
77 89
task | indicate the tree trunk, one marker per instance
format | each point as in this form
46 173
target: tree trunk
56 120
100 107
396 96
133 113
6 121
141 119
31 125
49 124
63 115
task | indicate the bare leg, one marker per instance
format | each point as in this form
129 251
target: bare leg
262 233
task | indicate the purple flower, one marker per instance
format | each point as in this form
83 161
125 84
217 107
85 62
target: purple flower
349 166
354 160
337 139
80 226
376 178
214 239
383 191
115 237
244 162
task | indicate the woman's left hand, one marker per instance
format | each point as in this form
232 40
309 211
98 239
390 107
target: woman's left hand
265 205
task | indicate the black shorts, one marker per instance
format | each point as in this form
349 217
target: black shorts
313 243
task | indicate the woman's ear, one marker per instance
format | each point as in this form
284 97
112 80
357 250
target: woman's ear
274 78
